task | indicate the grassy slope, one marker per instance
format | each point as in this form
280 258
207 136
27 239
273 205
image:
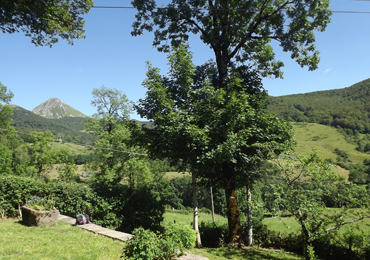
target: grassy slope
325 139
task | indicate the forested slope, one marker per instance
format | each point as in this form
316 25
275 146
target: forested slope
69 129
348 108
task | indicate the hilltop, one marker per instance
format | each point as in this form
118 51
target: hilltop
55 108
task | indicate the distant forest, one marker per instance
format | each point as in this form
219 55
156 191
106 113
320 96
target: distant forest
69 129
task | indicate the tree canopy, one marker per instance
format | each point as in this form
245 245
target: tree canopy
221 134
114 148
45 21
239 31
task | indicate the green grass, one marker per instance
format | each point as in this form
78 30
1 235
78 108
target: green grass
74 148
171 175
170 217
287 225
243 254
53 173
61 241
325 139
227 253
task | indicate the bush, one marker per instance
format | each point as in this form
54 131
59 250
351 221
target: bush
147 245
213 235
205 210
183 234
116 207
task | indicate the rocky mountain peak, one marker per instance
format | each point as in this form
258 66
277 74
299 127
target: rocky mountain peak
55 108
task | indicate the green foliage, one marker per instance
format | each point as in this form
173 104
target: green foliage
41 154
5 159
147 245
307 205
143 207
238 37
116 155
183 234
44 22
41 204
6 130
120 207
66 167
213 234
220 133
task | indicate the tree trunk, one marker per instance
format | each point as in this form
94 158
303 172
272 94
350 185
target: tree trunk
195 205
249 241
306 234
233 214
213 207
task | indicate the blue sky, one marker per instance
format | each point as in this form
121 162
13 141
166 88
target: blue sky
110 56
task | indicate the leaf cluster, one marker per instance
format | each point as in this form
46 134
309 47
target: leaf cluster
44 21
238 31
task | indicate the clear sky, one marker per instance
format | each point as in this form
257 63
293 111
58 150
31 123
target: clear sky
110 56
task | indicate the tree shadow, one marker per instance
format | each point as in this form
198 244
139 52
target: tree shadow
250 253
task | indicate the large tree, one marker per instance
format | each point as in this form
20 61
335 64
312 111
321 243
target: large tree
239 31
116 155
220 133
41 153
45 21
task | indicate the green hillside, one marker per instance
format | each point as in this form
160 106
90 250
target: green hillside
69 129
348 108
336 122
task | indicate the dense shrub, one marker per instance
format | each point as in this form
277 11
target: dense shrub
184 234
15 191
142 207
213 235
116 207
147 245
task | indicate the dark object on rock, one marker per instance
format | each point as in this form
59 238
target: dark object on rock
33 217
82 219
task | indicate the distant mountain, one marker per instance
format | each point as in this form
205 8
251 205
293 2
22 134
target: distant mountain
347 108
54 108
69 129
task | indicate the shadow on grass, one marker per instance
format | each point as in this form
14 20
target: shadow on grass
252 254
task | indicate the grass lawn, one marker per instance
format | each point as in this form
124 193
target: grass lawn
64 241
61 241
171 216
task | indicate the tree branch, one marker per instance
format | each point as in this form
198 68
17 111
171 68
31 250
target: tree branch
346 223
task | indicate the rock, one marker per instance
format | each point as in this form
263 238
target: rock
32 217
